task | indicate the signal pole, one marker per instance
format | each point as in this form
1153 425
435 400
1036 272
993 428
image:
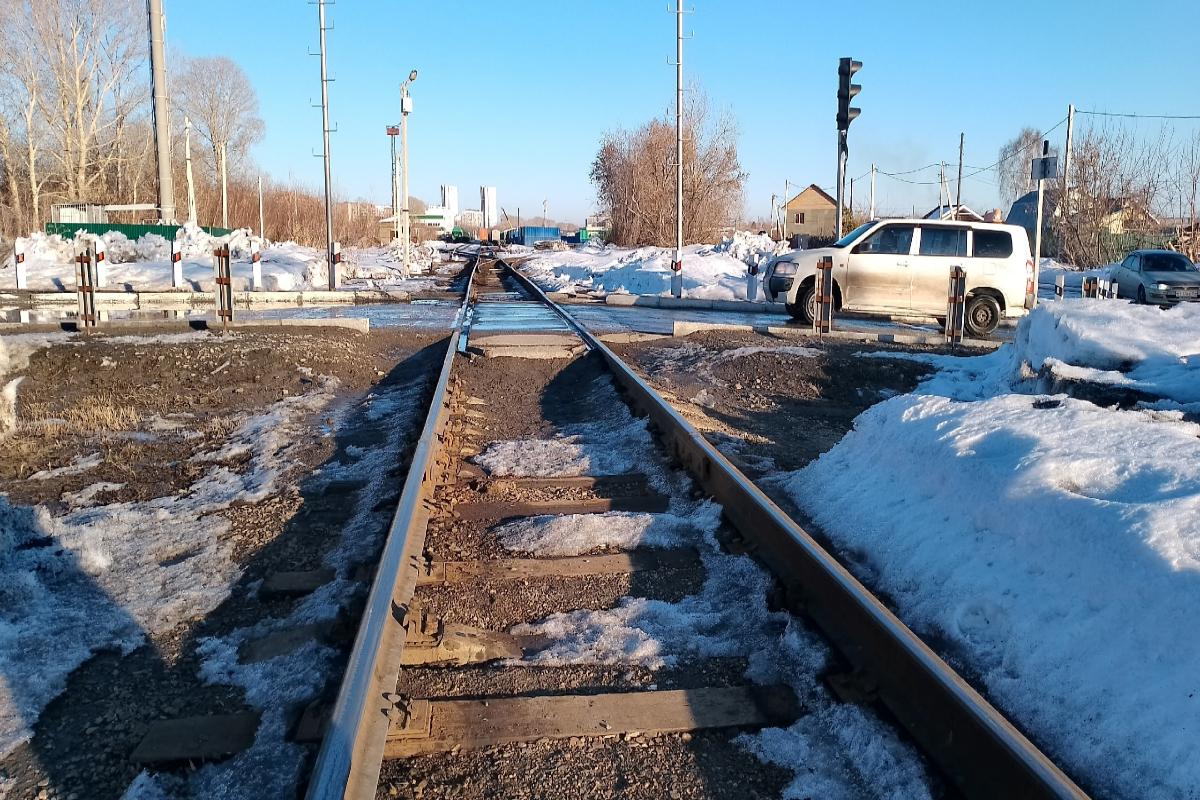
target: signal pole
962 138
393 131
405 107
871 213
329 254
677 264
160 100
845 115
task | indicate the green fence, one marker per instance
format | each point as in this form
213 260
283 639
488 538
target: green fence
68 229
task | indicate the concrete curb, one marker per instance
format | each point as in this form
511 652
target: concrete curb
686 328
190 299
359 325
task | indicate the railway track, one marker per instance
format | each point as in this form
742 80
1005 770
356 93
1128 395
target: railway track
577 615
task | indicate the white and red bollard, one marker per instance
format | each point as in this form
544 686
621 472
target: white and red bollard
21 266
176 265
256 279
101 265
336 266
956 306
822 318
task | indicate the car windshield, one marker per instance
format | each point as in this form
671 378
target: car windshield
854 235
1165 262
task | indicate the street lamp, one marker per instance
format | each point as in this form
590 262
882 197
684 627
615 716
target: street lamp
405 108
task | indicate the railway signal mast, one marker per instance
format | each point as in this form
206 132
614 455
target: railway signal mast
845 115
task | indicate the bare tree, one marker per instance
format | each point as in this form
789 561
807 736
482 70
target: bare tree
634 175
1187 182
221 101
1117 181
1013 171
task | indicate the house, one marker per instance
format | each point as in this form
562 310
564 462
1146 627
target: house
811 213
960 213
1118 215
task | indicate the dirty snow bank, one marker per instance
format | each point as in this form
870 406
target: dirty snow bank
1052 544
102 577
711 272
144 264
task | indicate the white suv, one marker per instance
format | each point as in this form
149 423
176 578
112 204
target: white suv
902 267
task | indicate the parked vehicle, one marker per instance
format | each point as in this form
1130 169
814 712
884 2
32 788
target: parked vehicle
902 267
1162 277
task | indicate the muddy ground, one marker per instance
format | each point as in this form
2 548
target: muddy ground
147 407
776 409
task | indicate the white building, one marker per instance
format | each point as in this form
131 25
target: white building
487 204
470 219
450 200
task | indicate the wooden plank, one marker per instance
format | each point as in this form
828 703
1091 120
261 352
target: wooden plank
511 569
573 481
503 510
196 738
441 725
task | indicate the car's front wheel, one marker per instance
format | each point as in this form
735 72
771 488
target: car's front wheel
1141 295
983 315
805 309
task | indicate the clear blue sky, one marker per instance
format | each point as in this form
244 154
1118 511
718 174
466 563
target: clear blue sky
518 94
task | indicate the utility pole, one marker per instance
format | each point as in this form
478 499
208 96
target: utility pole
677 264
1066 198
851 204
845 115
546 211
187 160
871 213
262 218
329 254
774 214
162 113
405 107
962 138
224 153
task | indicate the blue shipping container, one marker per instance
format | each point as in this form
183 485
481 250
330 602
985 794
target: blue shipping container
529 235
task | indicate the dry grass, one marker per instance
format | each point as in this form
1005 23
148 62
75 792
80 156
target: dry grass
91 416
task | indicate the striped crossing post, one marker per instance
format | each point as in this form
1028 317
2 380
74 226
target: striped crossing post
1060 287
224 284
176 264
956 308
256 284
21 267
85 286
336 279
823 316
1091 287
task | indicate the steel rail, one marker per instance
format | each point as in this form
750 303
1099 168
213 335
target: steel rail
351 754
972 743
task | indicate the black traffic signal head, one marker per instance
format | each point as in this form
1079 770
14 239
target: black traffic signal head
846 91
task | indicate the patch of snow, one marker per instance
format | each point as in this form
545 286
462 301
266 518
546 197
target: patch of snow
86 495
78 465
544 458
575 534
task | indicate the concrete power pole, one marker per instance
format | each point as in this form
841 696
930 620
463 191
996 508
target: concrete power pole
224 148
262 218
871 212
162 112
962 138
1066 200
187 160
329 255
405 108
677 264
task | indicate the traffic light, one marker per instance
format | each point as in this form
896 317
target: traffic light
846 92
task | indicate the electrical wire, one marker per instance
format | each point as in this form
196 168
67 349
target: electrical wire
1137 116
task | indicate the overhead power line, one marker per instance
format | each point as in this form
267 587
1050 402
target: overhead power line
1137 116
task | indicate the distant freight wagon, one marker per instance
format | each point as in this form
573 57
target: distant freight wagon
530 235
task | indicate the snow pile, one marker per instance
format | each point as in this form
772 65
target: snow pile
145 264
753 249
708 272
1055 546
1142 347
576 534
546 458
100 577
